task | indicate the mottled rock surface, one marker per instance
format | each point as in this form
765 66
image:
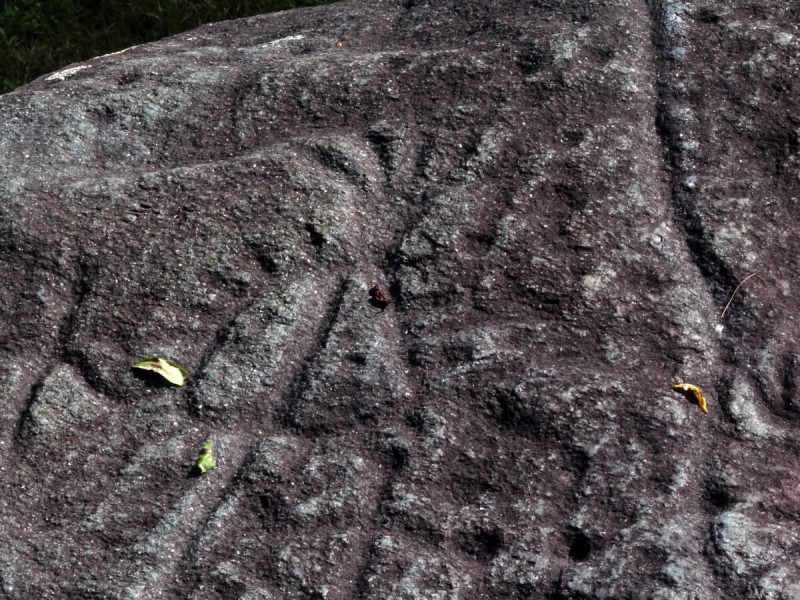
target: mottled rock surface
558 197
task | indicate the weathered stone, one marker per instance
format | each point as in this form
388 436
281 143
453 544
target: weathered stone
61 406
557 198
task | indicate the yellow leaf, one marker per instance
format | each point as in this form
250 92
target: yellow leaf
169 370
692 392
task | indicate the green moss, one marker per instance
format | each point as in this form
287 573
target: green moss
38 37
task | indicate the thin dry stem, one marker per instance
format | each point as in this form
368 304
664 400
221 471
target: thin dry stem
733 295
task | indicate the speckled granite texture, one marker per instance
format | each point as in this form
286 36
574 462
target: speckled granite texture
558 199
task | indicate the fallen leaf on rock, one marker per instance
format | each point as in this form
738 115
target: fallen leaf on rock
206 461
692 393
169 370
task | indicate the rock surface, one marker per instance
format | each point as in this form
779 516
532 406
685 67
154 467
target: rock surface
559 197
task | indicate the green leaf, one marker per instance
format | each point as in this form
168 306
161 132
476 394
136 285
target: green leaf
169 370
206 461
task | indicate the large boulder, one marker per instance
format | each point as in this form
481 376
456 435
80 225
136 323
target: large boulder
433 268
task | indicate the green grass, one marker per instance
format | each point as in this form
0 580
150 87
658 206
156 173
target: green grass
37 37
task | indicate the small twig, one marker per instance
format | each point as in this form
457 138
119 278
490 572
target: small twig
733 295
